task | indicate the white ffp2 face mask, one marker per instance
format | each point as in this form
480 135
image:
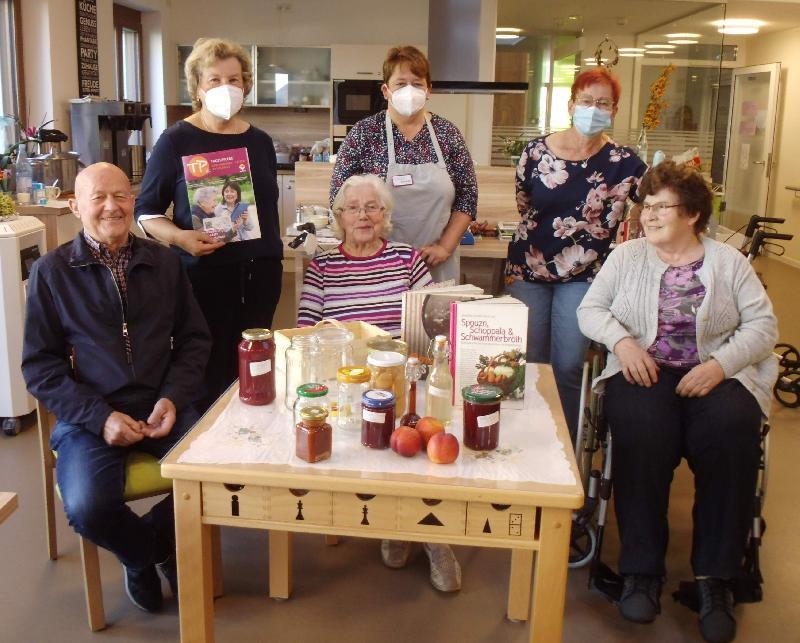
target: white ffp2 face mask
223 101
408 100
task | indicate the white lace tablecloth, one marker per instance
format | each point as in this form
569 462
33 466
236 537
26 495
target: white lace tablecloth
528 450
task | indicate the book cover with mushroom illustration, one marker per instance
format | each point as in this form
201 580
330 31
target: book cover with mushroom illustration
488 340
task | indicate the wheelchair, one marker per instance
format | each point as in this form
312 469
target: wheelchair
593 453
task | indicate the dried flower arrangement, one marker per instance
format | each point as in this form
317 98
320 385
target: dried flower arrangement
651 118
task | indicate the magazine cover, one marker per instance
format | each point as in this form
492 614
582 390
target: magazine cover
426 313
488 340
221 194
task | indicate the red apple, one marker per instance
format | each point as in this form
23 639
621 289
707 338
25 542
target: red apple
428 427
406 441
443 448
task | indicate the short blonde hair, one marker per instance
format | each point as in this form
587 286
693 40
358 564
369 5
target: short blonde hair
206 52
381 192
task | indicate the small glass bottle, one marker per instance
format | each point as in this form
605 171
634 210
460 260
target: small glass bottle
389 374
310 394
257 367
439 385
414 371
302 357
353 383
481 416
313 435
377 418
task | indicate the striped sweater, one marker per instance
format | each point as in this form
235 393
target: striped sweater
340 286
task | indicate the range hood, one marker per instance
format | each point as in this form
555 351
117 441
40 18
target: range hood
456 29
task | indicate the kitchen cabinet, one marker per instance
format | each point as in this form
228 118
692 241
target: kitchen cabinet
282 76
360 61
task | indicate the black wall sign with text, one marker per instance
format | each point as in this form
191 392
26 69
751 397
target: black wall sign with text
88 69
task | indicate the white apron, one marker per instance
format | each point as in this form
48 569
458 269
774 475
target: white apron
423 195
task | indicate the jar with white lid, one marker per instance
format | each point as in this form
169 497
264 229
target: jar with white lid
389 374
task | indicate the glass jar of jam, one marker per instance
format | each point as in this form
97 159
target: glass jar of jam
257 367
377 418
310 394
389 374
481 416
313 435
353 383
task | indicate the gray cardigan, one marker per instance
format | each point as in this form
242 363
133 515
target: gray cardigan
735 322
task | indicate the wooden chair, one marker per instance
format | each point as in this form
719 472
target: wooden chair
142 480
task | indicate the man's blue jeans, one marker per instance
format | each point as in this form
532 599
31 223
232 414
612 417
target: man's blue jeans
91 479
554 336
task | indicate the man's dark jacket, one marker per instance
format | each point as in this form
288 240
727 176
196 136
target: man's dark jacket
74 308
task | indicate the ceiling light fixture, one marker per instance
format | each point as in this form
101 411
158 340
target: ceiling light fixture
633 54
657 45
738 26
631 50
506 36
684 35
683 42
508 30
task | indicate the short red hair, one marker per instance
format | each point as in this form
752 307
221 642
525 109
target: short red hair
595 76
407 55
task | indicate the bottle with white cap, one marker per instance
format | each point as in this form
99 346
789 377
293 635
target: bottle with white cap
439 386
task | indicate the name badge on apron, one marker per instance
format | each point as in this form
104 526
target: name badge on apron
402 179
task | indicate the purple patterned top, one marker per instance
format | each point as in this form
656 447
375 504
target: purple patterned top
679 298
570 211
364 151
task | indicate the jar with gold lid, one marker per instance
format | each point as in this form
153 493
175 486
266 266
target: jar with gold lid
353 383
313 435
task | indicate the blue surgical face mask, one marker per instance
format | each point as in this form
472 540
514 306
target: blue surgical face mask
590 121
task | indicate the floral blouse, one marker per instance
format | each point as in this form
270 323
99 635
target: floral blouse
570 211
679 298
364 151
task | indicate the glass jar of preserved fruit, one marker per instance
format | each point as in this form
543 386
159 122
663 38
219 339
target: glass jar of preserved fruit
386 343
302 357
257 367
377 418
313 435
389 374
310 394
353 383
481 416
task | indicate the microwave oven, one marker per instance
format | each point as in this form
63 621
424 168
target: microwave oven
356 99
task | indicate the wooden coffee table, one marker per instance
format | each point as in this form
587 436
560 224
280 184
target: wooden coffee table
532 520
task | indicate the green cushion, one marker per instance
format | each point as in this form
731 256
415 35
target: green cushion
142 477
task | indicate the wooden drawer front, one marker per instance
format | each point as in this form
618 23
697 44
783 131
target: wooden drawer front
234 501
431 515
364 511
300 506
500 521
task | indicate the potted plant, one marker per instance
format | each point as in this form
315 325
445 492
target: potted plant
513 147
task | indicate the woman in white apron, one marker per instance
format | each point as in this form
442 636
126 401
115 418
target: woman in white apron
423 159
426 165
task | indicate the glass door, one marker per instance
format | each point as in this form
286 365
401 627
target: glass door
748 160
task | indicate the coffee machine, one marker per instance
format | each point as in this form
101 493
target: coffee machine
101 131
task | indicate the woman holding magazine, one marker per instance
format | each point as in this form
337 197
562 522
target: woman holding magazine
237 282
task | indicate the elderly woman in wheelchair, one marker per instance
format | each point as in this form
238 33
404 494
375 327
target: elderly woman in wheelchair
690 332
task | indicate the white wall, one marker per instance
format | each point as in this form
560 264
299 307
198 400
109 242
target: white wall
51 58
784 47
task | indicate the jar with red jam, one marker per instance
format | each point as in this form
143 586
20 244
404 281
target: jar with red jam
257 367
377 418
313 435
481 416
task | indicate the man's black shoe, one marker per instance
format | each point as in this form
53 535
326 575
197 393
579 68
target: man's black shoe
169 568
143 587
717 624
640 598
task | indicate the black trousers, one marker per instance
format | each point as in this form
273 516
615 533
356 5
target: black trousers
718 434
233 297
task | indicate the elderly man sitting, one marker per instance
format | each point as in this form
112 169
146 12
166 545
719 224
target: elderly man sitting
115 346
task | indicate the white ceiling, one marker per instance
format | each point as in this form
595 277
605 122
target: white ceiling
639 16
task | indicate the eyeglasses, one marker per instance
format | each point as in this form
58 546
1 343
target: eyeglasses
585 100
657 208
369 210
